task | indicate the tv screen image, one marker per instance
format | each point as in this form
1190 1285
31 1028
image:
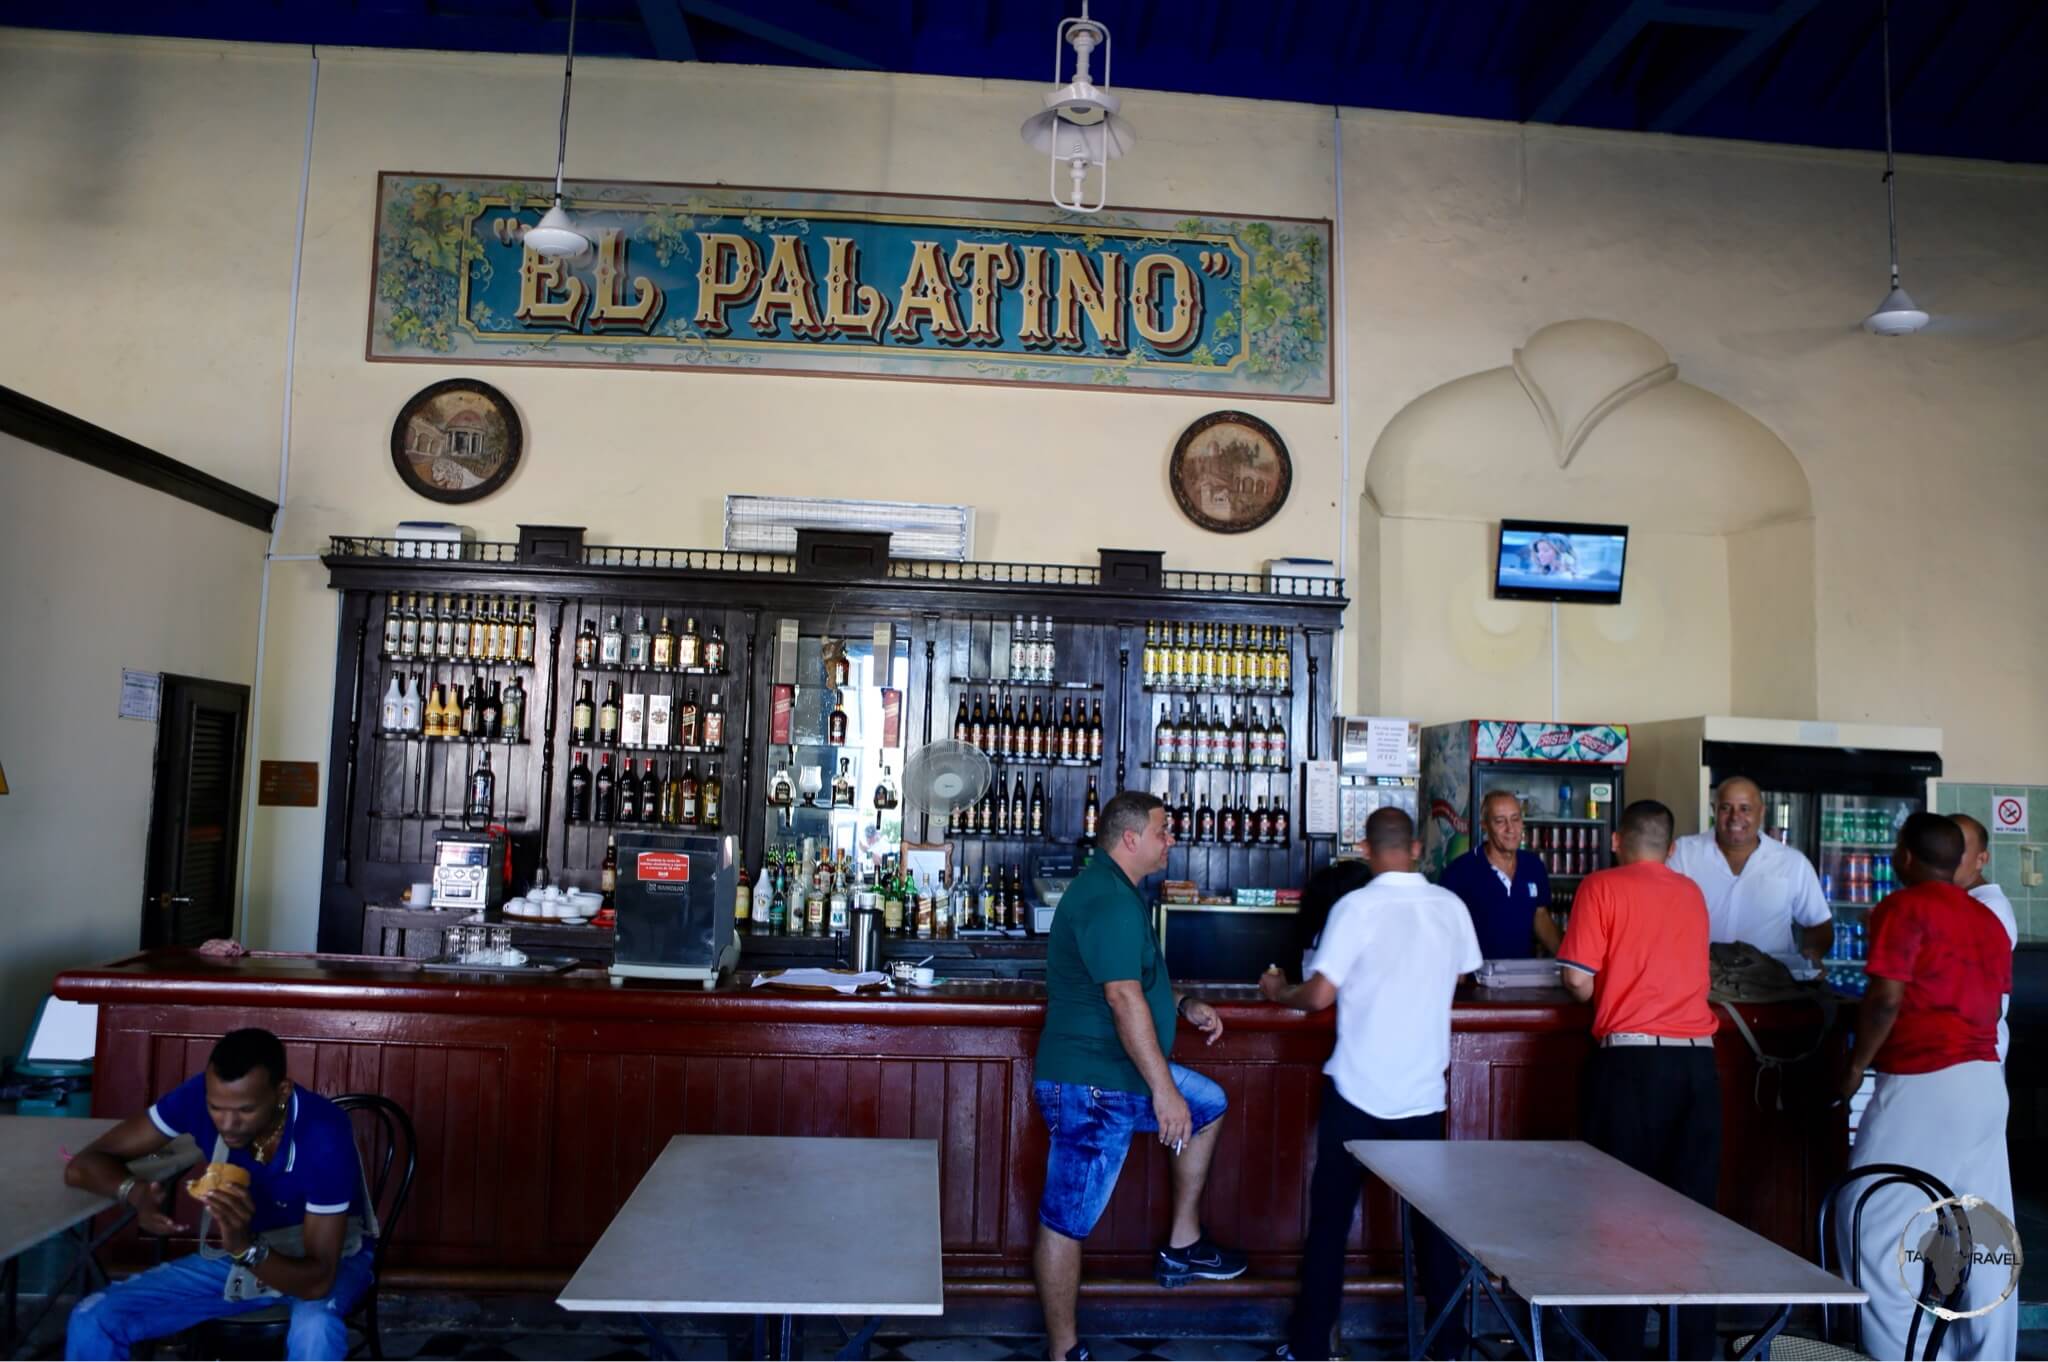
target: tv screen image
1556 560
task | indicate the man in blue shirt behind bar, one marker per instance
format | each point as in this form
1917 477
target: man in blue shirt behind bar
1505 888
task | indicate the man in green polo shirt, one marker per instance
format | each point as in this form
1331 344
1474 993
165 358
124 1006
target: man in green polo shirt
1102 1073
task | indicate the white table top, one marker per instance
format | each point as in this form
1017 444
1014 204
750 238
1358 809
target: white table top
34 1202
744 1225
1564 1224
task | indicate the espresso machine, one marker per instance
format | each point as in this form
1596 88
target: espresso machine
674 899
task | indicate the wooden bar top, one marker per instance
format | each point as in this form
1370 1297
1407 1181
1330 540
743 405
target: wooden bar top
368 983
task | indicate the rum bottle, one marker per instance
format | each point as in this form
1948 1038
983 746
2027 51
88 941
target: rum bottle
1095 733
409 628
1020 810
512 711
583 715
835 725
977 731
669 812
1038 806
1039 747
1205 820
579 790
394 627
1091 811
714 723
664 647
1279 834
608 717
524 637
711 798
459 632
714 652
586 645
490 714
608 873
689 647
605 791
962 730
1226 822
687 808
472 712
629 793
483 790
444 630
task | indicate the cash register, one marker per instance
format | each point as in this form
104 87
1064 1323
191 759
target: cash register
674 899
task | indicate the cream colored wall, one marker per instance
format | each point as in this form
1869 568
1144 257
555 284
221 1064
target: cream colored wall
96 575
1460 240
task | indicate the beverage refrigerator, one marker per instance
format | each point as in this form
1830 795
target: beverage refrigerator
1837 793
1568 777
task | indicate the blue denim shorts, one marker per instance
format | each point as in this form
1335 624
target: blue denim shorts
1091 1132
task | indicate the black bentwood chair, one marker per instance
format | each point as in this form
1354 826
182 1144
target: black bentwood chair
389 1151
1839 1340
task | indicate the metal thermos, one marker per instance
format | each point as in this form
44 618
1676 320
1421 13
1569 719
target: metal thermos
867 937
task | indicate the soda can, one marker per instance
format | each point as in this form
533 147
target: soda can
1827 887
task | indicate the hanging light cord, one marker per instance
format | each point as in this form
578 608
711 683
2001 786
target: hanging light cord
1891 198
568 66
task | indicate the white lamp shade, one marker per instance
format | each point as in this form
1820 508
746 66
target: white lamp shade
1897 315
556 235
1049 132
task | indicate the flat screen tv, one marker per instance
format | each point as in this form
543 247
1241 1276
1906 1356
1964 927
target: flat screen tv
1559 560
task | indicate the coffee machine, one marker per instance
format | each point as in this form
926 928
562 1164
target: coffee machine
469 870
674 899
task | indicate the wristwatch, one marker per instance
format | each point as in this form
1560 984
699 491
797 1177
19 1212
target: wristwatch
1180 1008
252 1257
127 1186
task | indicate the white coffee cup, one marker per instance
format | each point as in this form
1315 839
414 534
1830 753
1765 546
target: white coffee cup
924 976
422 894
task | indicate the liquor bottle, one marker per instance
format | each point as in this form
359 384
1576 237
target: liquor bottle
1279 837
394 701
629 793
1283 662
743 904
1261 830
977 726
525 635
1095 733
1004 727
1240 739
1034 736
444 629
999 807
639 644
648 809
608 716
1020 914
670 813
1165 736
604 792
781 789
835 724
458 633
583 716
714 652
512 711
1216 735
984 815
1276 742
1063 735
842 785
1226 822
1017 648
687 808
579 790
1150 665
394 626
1042 636
586 644
411 714
839 668
490 714
611 644
1038 806
483 791
689 647
490 633
711 798
1020 811
689 720
608 873
664 647
409 628
1091 811
963 728
1184 815
1205 820
472 712
886 794
713 721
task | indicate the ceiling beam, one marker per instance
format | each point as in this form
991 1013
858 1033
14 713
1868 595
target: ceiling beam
1594 60
670 30
1733 63
805 28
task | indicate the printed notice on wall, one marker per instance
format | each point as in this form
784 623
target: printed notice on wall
1319 812
2009 814
140 694
1387 752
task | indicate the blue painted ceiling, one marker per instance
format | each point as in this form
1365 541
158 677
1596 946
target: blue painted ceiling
1967 74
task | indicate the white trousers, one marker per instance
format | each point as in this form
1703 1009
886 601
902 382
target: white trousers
1950 1123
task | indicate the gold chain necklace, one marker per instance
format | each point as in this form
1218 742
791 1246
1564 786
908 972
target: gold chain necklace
266 1146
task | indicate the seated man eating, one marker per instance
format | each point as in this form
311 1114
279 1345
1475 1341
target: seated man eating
289 1211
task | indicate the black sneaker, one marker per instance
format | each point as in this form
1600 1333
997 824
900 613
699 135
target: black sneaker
1203 1258
1079 1353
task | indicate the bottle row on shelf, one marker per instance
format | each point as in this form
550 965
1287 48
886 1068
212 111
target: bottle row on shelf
1033 654
498 629
1202 737
669 795
1233 821
644 719
663 650
487 712
790 792
1012 814
1031 732
1227 657
797 894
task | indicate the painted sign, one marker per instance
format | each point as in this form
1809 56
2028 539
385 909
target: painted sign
1507 740
873 285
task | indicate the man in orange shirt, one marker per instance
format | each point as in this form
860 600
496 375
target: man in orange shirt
1636 946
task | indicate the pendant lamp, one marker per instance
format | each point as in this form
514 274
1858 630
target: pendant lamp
557 235
1080 126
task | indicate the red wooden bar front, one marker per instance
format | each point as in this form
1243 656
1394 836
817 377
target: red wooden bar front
539 1103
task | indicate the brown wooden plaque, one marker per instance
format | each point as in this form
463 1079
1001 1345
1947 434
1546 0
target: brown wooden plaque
293 784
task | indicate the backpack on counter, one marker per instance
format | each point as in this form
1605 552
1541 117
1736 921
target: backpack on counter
1738 972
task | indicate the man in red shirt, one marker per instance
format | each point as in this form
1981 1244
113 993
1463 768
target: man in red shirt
1636 946
1938 967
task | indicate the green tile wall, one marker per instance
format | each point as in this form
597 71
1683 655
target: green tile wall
2029 902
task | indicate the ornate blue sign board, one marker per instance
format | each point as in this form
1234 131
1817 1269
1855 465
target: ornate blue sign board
873 285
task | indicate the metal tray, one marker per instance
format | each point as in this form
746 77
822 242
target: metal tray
535 964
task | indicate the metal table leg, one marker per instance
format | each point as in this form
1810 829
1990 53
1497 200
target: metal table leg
1671 1332
856 1349
1762 1343
658 1346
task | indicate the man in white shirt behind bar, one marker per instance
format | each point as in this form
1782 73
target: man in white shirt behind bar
1757 889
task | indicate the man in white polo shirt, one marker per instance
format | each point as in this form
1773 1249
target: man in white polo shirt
1757 889
1970 879
1390 959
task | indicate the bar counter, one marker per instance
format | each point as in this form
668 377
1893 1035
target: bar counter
541 1101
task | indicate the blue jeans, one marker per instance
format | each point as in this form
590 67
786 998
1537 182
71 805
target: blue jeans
1091 1132
177 1295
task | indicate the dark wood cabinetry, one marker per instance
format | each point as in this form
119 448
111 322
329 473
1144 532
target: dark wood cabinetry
389 794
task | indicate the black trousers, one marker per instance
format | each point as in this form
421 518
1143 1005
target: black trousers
1657 1109
1333 1203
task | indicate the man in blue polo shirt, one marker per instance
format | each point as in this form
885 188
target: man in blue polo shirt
1506 889
298 1232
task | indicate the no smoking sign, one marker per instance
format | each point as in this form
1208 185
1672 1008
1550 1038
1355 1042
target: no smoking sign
2009 813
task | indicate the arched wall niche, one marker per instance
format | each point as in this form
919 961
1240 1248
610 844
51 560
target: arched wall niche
1589 420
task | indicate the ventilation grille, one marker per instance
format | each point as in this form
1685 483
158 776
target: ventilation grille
915 530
